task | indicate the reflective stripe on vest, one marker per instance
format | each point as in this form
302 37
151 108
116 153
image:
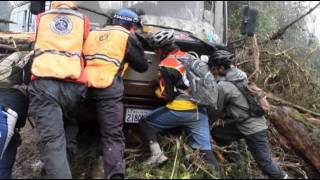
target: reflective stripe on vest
59 44
104 51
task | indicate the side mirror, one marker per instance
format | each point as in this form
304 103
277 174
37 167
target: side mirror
37 7
248 25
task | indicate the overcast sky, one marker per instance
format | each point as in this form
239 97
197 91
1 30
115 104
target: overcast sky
314 19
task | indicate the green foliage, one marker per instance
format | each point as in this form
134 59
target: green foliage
294 75
272 16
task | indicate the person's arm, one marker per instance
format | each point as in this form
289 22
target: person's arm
168 92
135 55
221 98
27 68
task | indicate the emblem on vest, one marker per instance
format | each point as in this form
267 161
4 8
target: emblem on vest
61 25
103 37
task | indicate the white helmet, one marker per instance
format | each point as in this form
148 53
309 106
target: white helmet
162 38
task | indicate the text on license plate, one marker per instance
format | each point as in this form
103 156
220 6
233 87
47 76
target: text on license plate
134 115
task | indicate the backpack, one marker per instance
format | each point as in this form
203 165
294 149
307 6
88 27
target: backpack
12 69
203 87
257 101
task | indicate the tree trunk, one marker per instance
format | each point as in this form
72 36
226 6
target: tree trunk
298 139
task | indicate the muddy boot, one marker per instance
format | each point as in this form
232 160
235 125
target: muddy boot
157 156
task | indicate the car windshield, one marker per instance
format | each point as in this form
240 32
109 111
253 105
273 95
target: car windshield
184 10
184 15
196 17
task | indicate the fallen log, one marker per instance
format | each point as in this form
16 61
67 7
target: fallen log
19 38
298 139
287 103
7 47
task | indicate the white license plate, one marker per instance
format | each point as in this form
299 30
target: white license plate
134 115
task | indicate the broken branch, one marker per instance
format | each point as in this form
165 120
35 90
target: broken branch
281 31
256 54
6 21
308 55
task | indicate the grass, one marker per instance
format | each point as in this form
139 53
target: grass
185 163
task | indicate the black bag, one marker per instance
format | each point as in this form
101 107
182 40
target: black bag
255 109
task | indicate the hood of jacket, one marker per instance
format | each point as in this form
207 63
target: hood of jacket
235 74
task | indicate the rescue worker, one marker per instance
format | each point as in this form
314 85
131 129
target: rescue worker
108 51
58 83
233 109
179 111
14 75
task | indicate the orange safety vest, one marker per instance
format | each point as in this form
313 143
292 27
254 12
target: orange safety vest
104 51
59 42
172 62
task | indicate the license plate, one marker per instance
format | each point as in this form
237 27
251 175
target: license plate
134 115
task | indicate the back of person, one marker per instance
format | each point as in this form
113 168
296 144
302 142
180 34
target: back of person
174 77
235 111
180 111
108 52
59 41
105 51
236 107
58 84
230 90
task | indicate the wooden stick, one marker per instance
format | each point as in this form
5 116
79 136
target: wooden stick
308 55
256 54
6 21
8 47
176 158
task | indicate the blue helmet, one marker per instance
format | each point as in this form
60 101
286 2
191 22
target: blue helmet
125 17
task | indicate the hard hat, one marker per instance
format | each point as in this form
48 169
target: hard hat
125 16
